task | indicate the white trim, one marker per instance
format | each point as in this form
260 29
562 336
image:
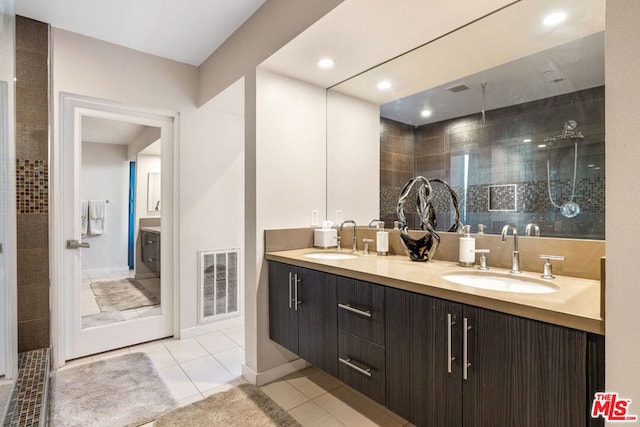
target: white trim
265 377
211 327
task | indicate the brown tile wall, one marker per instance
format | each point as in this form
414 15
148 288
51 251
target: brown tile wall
32 178
498 155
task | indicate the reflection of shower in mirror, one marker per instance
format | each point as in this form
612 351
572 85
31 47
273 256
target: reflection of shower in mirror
569 208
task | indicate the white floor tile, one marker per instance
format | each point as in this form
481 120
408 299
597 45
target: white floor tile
185 350
111 354
232 360
236 334
160 358
311 415
216 342
177 382
190 400
207 373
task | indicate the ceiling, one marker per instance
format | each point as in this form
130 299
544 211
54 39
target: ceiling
186 31
105 131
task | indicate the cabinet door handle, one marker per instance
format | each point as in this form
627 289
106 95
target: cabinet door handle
450 358
355 310
465 350
347 362
290 301
295 291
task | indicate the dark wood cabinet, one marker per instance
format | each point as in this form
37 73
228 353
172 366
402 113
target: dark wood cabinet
150 253
519 371
432 361
302 314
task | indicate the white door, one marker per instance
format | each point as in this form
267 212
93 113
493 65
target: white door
81 338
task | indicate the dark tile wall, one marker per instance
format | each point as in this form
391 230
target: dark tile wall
32 182
498 155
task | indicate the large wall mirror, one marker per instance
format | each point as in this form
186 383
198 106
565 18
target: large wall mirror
509 110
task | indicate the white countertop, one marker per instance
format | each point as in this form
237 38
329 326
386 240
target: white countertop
576 303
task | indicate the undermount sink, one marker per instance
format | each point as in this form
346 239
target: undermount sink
331 255
500 282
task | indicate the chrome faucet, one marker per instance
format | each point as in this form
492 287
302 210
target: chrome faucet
515 255
355 239
532 226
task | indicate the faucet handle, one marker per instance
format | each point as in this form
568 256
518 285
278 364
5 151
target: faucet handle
483 258
366 245
481 228
546 268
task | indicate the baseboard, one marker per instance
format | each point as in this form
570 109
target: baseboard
106 270
211 327
265 377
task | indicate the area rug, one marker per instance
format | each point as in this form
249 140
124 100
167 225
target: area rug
121 391
244 405
119 295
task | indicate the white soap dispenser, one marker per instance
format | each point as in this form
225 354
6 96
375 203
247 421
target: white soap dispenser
467 252
382 240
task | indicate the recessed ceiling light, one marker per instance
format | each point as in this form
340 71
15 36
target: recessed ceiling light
526 140
326 63
385 84
554 18
542 145
425 113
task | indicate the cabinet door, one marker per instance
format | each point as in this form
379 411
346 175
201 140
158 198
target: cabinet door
398 351
283 317
317 320
523 372
436 357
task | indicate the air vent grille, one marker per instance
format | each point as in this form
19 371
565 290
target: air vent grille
458 88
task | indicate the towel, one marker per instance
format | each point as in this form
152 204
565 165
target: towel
84 214
97 217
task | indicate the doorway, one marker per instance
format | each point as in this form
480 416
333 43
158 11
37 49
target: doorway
101 304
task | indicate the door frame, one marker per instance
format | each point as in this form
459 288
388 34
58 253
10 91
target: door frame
70 106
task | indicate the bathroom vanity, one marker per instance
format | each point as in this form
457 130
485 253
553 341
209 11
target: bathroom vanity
150 253
440 353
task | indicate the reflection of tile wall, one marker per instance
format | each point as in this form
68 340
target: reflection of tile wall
497 154
32 150
32 186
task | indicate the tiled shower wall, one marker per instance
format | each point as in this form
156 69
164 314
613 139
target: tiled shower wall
32 164
499 154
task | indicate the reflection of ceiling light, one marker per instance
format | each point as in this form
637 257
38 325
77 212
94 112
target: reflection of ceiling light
426 113
326 63
526 140
590 166
542 145
554 18
385 84
597 168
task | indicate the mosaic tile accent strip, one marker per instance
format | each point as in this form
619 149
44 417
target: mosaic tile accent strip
32 186
28 406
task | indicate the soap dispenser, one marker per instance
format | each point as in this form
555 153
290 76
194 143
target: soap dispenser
467 251
382 240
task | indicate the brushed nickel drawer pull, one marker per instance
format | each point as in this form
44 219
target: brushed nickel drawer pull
354 310
348 362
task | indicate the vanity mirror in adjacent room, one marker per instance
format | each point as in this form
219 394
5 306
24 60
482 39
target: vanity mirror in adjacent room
508 109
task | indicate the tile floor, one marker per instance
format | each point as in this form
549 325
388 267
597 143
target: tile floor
195 368
89 305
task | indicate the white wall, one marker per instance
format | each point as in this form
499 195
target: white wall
104 175
214 202
92 68
290 182
353 158
622 67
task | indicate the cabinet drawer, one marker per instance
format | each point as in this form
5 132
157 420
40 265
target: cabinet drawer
361 365
361 309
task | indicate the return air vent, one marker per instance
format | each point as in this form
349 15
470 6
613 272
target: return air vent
219 284
458 88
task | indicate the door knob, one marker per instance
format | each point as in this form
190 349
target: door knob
75 244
